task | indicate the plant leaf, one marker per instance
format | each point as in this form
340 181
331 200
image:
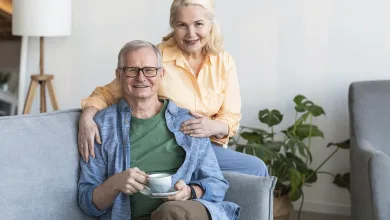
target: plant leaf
281 189
302 119
303 104
259 150
295 179
296 183
298 99
270 118
295 195
280 171
305 149
312 176
252 137
298 102
315 110
303 131
295 142
343 181
262 153
291 144
300 108
256 130
343 145
240 149
301 148
299 164
274 146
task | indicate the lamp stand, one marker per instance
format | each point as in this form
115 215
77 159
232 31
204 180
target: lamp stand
43 80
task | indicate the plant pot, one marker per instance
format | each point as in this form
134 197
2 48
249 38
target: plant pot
282 208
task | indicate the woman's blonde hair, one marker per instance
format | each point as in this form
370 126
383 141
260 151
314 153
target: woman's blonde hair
215 43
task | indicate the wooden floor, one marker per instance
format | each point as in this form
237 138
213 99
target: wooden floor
317 216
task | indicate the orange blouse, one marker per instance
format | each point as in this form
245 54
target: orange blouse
214 93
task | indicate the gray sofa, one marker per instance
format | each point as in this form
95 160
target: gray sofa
39 172
369 106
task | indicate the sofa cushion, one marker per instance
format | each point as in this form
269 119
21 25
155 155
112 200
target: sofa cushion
369 109
254 194
39 166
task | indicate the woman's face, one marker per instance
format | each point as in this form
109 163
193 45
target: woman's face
192 28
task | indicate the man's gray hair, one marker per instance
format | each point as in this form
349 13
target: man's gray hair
135 45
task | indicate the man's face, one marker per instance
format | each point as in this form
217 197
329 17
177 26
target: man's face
136 85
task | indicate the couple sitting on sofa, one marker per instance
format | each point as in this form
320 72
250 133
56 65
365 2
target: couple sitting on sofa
110 183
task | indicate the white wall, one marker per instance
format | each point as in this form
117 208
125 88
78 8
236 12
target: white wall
282 48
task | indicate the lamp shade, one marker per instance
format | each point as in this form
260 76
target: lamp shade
41 18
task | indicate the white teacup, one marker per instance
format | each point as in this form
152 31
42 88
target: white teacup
159 182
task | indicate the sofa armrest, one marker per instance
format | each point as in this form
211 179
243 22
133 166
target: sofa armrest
380 179
370 176
254 194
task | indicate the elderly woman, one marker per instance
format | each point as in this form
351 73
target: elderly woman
200 76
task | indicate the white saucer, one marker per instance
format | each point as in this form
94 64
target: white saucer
146 192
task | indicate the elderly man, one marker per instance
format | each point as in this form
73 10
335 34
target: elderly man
141 134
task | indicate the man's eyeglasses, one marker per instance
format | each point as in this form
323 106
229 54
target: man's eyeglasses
132 72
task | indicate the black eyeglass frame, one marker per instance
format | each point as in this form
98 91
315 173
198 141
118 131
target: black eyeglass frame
140 69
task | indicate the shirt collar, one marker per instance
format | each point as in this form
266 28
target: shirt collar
172 52
212 59
124 107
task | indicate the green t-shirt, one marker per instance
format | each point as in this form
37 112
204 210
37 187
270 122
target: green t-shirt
153 150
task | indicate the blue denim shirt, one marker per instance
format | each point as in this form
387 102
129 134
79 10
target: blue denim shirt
113 156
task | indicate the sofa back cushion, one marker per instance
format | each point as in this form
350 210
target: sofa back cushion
39 166
369 112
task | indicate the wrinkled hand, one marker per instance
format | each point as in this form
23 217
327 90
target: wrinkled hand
130 181
88 131
183 194
200 126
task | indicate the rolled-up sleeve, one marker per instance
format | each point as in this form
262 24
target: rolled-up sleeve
104 96
208 175
230 112
92 174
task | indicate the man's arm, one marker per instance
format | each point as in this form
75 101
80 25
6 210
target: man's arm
92 175
129 181
198 190
104 195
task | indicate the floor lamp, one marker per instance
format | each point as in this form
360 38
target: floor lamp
41 18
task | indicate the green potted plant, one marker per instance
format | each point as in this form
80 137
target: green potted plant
4 79
287 153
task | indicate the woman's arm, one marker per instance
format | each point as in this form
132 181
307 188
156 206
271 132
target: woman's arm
230 111
88 132
104 96
100 98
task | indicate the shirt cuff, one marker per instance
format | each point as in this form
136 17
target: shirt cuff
222 142
233 125
93 210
